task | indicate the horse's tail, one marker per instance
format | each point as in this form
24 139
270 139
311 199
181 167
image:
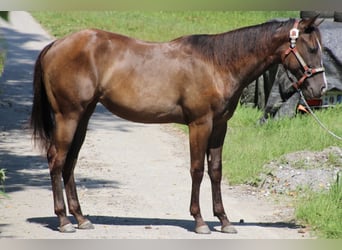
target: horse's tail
42 119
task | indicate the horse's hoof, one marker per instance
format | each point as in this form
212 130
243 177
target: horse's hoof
68 228
204 229
229 229
86 225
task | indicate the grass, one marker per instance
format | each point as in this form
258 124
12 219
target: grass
323 211
154 25
248 145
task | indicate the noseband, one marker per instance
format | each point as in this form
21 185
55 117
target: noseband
308 71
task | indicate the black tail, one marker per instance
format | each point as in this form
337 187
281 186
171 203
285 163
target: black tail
42 119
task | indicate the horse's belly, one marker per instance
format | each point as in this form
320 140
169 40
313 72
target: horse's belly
144 110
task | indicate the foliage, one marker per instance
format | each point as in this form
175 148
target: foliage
323 211
2 180
4 15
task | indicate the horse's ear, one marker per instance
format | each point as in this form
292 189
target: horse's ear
319 21
308 24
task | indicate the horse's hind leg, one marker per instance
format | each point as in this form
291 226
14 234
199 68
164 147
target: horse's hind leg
214 157
68 136
68 171
57 155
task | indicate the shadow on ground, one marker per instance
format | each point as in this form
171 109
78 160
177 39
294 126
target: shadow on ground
52 222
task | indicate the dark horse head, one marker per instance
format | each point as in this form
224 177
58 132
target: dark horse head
303 58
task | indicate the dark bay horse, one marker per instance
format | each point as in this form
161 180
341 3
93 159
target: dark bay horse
195 80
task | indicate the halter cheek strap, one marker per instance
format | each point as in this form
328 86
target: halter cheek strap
308 71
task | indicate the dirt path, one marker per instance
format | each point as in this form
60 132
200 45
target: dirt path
133 179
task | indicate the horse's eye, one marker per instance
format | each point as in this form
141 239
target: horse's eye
313 50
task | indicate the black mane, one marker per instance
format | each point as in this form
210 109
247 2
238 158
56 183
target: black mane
226 48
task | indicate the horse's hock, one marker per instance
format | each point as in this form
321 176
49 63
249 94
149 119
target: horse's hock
268 92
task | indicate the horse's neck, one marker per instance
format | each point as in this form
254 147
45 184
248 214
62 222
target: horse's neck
251 66
258 64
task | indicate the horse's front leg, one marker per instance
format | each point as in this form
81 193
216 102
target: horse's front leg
214 157
199 133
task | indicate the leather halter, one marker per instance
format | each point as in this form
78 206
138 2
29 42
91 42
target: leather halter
308 71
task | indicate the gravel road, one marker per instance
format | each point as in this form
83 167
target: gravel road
133 179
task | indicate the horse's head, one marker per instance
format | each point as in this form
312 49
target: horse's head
304 58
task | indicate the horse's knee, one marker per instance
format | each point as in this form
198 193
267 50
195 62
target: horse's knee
197 174
215 171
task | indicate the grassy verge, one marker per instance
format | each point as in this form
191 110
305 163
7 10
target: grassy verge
323 211
249 146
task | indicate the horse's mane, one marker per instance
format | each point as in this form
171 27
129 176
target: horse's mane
225 48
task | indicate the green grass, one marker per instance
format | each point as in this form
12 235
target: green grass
323 211
154 25
249 146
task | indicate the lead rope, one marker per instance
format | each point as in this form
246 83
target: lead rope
316 118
